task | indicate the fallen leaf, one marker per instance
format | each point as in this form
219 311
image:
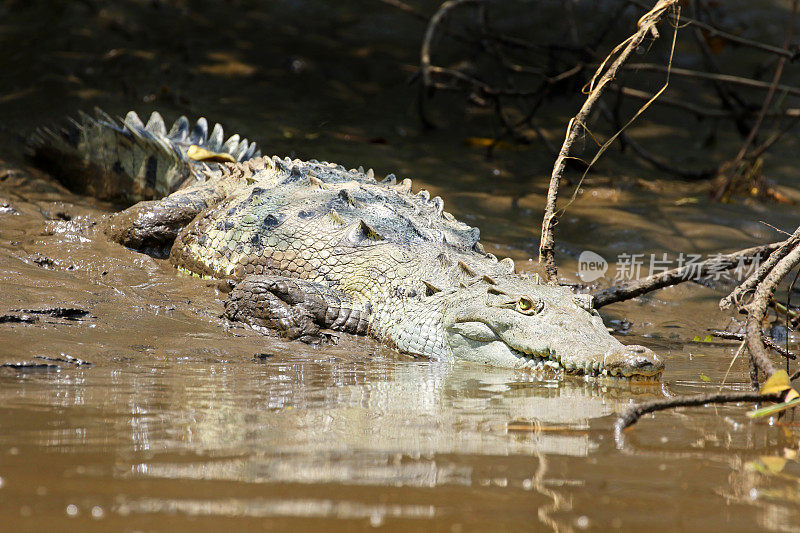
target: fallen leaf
705 378
485 142
777 382
201 154
685 201
773 464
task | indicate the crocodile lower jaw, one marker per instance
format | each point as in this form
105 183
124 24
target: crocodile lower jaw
538 361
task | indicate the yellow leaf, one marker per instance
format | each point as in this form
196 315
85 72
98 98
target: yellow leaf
773 464
698 355
201 154
483 142
708 338
777 382
705 378
791 395
684 201
697 339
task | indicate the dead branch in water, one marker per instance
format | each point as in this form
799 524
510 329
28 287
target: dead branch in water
771 344
784 259
632 414
646 26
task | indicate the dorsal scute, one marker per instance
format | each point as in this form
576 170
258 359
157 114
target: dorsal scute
389 207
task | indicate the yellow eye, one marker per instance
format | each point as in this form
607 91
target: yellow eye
527 306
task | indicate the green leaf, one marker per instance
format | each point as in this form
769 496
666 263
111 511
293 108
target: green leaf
705 378
773 409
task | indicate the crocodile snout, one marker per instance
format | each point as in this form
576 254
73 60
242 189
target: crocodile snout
632 360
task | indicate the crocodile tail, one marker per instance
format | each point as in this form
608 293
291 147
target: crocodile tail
128 161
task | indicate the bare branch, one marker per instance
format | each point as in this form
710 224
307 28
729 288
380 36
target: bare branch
646 26
632 414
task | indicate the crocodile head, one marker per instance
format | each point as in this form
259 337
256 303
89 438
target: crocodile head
515 322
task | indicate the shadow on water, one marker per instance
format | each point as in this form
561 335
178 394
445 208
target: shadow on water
137 407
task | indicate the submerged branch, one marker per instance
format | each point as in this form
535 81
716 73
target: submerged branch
771 344
632 414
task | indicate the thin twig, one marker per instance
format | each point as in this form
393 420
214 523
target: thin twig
764 107
402 6
750 283
724 78
425 52
652 159
697 110
767 341
716 32
646 26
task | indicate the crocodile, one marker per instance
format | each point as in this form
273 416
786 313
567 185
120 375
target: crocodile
306 248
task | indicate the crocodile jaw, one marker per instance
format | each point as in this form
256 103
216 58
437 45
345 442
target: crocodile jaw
477 342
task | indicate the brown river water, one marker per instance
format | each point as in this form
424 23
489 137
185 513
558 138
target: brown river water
139 409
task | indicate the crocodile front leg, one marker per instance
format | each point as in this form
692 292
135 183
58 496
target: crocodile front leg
296 308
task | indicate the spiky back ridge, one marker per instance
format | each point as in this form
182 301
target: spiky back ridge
129 161
316 220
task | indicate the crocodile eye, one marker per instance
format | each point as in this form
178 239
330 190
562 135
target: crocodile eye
529 306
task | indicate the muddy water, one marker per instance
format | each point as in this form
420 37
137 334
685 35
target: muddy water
137 408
